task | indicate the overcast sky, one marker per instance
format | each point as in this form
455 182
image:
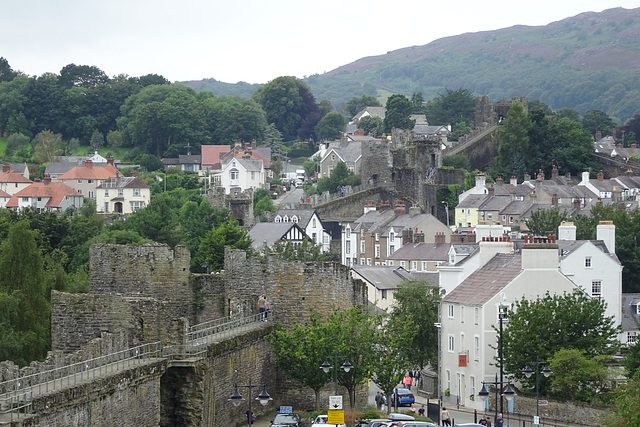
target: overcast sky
247 40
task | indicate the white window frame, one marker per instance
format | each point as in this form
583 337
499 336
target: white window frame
476 347
596 288
451 343
462 314
587 262
451 311
476 315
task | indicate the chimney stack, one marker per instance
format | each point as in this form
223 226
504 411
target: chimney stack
400 207
47 179
499 180
567 231
514 180
554 200
600 175
88 163
554 172
440 239
606 231
6 168
492 191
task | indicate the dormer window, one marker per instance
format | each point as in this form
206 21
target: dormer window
294 219
285 219
278 218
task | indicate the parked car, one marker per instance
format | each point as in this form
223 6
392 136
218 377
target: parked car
411 424
404 395
323 421
380 422
286 420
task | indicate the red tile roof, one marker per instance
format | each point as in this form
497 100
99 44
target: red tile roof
211 153
13 176
54 191
90 171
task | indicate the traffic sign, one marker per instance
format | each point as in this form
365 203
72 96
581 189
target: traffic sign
335 416
335 402
286 409
536 420
543 402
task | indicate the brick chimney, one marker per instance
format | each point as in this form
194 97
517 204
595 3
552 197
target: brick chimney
540 176
6 168
440 239
512 194
554 200
88 163
492 191
254 144
568 175
616 194
527 177
600 175
470 238
499 180
407 236
384 206
369 206
110 160
47 179
418 237
456 238
629 171
554 172
598 135
576 203
634 146
400 207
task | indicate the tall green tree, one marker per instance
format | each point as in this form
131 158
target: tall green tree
47 146
596 120
82 75
452 106
6 72
211 249
371 125
231 118
331 126
626 411
414 300
545 222
513 137
290 105
399 109
632 360
578 376
24 307
539 328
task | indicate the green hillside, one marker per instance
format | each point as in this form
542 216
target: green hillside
590 61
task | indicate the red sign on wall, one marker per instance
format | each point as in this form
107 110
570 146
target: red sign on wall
462 360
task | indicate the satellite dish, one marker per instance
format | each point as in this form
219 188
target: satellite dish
443 291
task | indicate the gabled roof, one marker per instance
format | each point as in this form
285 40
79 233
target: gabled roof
371 111
422 252
55 192
495 203
270 233
250 165
304 215
211 154
516 207
473 201
189 159
486 282
349 151
13 177
90 171
383 277
4 194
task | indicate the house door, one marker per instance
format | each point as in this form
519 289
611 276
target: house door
463 389
117 207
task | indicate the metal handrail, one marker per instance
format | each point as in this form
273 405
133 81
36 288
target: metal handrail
231 325
68 375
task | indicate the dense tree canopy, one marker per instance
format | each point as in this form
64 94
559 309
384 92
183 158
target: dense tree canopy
453 106
357 104
399 108
541 327
331 126
513 139
289 104
545 222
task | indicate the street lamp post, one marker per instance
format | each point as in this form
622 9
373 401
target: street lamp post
446 209
502 315
439 326
508 393
527 371
236 398
346 366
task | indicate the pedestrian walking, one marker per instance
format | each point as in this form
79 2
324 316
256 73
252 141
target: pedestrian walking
499 421
267 307
445 417
262 302
379 400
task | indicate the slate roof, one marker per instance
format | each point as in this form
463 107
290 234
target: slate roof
473 201
304 215
251 165
403 221
516 207
487 281
495 203
189 159
270 232
18 167
422 251
124 182
505 190
383 277
349 151
54 191
566 247
422 129
630 317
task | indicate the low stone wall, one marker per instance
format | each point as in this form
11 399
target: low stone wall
128 399
561 412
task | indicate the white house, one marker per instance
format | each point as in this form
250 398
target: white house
310 222
46 196
594 266
470 311
243 174
267 234
122 195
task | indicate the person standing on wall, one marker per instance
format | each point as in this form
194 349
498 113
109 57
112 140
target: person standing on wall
267 307
262 304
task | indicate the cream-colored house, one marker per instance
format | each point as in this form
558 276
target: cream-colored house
122 195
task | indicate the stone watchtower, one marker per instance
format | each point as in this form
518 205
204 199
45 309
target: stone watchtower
239 202
491 113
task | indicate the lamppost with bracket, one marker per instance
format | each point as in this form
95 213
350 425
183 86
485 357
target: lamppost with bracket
326 366
527 371
236 398
508 393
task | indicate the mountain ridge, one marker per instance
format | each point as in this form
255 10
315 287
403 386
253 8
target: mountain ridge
588 61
